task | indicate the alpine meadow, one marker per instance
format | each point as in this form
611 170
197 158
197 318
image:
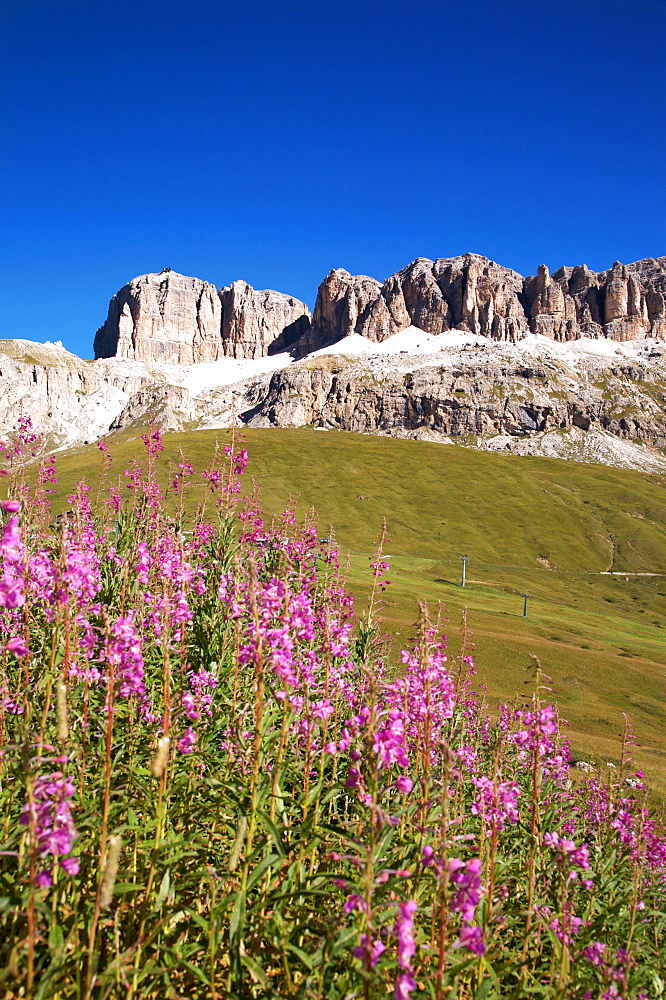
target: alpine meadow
217 780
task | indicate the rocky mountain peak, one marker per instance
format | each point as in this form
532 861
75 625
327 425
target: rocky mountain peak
474 294
256 323
175 319
171 318
442 349
166 317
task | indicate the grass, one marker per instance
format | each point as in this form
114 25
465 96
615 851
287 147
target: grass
601 638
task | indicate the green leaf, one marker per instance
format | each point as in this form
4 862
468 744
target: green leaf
255 970
305 959
261 868
484 989
196 971
56 938
237 922
275 834
123 887
165 885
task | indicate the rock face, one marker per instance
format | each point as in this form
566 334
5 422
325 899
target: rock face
474 294
256 323
173 319
163 317
340 309
623 303
68 400
489 384
477 397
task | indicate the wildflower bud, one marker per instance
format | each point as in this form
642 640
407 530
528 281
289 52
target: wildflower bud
110 871
161 755
61 711
238 844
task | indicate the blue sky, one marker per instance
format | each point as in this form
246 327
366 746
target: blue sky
274 141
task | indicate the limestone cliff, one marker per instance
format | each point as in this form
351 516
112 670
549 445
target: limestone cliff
256 323
532 396
475 294
170 318
174 319
165 317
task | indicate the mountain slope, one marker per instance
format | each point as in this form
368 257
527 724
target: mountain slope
552 529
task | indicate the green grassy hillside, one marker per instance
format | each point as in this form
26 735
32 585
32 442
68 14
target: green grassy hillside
540 526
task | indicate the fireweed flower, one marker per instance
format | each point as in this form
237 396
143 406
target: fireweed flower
49 818
404 985
471 937
123 649
12 550
466 878
566 926
575 857
404 931
198 700
74 579
389 741
496 803
187 743
296 625
369 951
379 567
540 736
595 953
423 699
153 442
355 902
238 459
17 647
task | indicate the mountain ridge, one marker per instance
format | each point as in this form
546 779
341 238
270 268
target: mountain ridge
454 350
174 318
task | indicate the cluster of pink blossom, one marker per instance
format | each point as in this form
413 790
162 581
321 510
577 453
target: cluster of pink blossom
122 652
48 817
12 552
24 442
496 802
379 567
572 856
404 931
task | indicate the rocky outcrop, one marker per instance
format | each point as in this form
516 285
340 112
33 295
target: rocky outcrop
170 318
474 294
489 382
68 400
474 399
165 317
173 319
465 293
340 309
623 303
256 323
466 388
171 407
